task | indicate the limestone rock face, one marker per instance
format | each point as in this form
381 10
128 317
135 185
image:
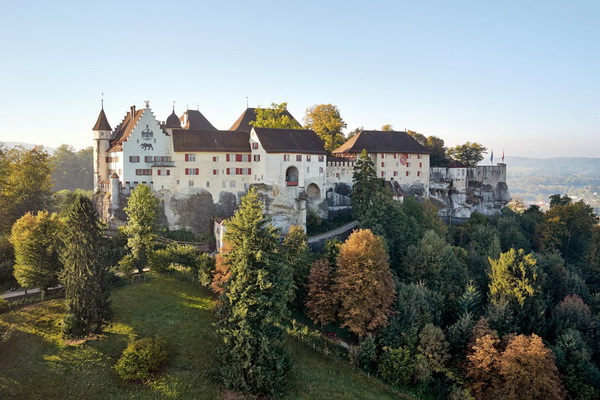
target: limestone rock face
191 209
483 189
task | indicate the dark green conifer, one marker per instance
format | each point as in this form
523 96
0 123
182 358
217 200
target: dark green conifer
254 304
85 274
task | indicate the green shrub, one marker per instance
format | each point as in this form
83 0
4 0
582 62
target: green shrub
206 267
160 260
141 358
396 366
4 306
127 266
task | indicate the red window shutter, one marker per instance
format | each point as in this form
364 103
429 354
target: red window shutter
187 157
214 171
249 171
187 170
238 157
168 172
228 169
197 171
227 157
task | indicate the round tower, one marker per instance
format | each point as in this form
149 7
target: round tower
172 122
102 133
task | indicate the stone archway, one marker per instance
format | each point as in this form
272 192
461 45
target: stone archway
314 192
291 176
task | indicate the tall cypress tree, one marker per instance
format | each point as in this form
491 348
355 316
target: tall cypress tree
85 274
253 304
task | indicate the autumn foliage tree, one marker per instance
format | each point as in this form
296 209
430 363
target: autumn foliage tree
365 284
321 305
326 121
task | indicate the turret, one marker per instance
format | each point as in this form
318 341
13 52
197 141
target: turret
172 122
102 133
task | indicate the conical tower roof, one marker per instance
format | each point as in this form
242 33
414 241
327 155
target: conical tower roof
102 123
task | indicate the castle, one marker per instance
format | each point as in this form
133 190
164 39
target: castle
200 173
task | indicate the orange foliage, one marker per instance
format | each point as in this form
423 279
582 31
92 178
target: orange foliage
322 304
221 273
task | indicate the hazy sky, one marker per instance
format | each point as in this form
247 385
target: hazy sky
513 75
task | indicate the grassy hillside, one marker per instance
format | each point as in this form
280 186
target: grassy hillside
36 364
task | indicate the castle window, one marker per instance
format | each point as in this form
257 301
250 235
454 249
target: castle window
231 184
395 173
382 173
407 173
192 171
286 157
257 157
190 157
419 156
146 171
238 157
420 165
337 175
307 158
321 158
215 172
191 183
148 159
207 184
224 184
382 165
215 158
134 159
299 157
254 146
227 157
407 165
320 170
382 155
418 173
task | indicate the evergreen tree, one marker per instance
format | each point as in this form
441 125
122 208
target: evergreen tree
365 284
85 275
364 184
253 304
142 211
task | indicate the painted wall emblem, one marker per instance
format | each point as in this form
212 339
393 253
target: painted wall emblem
147 134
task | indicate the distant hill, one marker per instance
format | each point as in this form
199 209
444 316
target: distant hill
557 167
27 146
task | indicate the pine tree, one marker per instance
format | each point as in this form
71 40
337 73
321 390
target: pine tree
364 183
142 211
85 274
253 304
365 284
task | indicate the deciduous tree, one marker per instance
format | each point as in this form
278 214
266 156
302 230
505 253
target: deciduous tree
142 211
365 284
37 248
469 153
326 121
275 116
322 305
85 275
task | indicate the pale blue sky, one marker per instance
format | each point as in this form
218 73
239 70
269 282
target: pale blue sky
523 76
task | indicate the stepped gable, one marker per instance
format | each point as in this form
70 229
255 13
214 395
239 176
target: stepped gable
249 115
303 141
124 129
211 140
381 142
102 122
194 120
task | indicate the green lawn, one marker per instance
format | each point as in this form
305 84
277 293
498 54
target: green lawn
36 364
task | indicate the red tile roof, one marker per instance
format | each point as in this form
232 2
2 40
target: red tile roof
210 140
124 129
303 141
102 123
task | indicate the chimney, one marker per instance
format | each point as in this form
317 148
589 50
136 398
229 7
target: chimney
132 111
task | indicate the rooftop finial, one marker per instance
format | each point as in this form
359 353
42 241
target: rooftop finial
102 100
246 101
197 107
173 105
147 103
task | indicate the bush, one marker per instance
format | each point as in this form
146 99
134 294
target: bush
206 267
141 358
127 267
4 306
160 260
396 366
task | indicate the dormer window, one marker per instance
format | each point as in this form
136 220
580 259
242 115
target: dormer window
254 146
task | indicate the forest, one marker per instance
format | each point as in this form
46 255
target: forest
479 310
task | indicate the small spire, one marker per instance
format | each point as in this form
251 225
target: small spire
246 101
102 100
173 105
